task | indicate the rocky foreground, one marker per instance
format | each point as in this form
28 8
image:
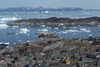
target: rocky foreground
53 21
51 51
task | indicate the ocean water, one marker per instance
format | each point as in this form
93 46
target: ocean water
15 34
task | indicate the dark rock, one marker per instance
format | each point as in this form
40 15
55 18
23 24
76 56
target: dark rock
53 21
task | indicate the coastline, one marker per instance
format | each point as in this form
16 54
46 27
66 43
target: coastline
49 51
54 21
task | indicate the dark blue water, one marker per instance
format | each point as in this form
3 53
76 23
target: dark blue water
21 34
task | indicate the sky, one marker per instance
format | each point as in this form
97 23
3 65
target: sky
86 4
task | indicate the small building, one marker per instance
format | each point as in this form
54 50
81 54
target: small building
96 41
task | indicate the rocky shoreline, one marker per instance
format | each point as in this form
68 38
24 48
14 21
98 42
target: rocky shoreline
53 21
51 51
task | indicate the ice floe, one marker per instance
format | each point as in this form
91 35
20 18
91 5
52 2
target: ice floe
48 27
4 43
15 26
90 34
43 30
46 11
98 25
63 27
64 32
61 24
56 28
73 31
3 26
24 31
84 30
43 25
69 31
3 20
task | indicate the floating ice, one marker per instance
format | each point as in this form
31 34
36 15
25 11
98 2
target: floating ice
3 26
19 40
48 27
28 34
92 23
15 43
11 18
84 30
15 26
69 31
86 13
44 30
16 33
24 31
43 25
3 20
61 24
4 43
63 27
90 34
73 31
64 32
46 12
98 25
56 28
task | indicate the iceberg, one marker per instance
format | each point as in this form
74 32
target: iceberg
24 31
73 31
3 26
44 30
84 30
46 11
3 20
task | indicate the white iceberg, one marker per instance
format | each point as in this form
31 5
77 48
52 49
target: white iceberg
73 31
3 20
61 24
46 11
24 31
56 28
3 26
43 30
43 25
15 26
84 30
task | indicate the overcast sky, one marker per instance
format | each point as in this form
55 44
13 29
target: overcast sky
87 4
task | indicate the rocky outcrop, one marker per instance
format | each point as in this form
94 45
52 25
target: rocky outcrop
53 21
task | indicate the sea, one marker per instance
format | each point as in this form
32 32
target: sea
14 35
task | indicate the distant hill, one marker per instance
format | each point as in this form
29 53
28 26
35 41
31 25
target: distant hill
40 9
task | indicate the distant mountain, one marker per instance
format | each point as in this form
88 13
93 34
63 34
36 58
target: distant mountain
93 10
40 9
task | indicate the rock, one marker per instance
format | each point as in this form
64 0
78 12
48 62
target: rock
53 21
